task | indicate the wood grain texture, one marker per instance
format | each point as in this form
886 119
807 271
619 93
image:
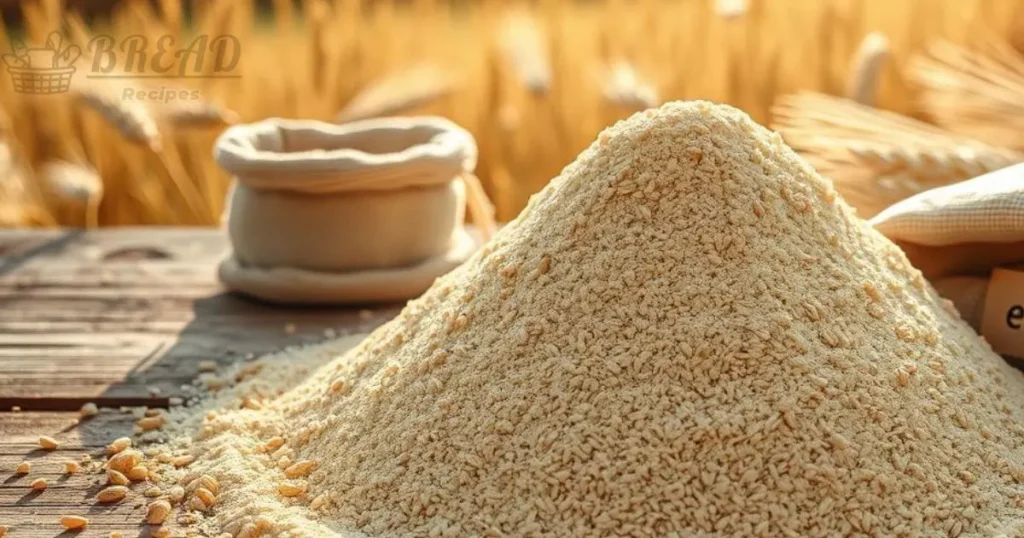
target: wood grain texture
36 514
116 317
124 316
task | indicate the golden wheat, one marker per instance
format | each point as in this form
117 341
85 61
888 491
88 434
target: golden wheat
536 81
398 93
976 92
862 86
877 158
623 86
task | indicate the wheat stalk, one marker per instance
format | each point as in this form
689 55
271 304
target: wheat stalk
523 44
877 158
74 185
132 120
199 113
977 93
398 93
862 85
623 86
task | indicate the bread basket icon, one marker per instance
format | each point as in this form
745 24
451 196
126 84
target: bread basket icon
43 70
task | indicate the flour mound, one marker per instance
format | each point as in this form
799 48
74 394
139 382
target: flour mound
686 332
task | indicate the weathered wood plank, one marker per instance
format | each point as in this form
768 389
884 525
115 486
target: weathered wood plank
31 514
124 316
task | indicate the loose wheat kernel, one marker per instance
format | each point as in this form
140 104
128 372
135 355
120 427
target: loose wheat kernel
176 494
291 489
299 469
197 504
74 522
151 423
271 445
157 512
71 467
339 386
88 410
206 496
116 534
3 530
153 491
209 483
138 474
182 461
112 494
117 478
48 443
118 445
39 484
23 467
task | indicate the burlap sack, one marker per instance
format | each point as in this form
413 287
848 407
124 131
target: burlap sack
957 234
367 211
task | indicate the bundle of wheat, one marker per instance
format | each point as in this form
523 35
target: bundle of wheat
979 93
877 158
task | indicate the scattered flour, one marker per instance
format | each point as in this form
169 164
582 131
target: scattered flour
686 334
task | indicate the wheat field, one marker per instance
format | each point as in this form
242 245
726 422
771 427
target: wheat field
534 82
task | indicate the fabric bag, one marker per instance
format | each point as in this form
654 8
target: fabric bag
957 234
361 212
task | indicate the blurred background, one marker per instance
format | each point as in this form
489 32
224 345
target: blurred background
888 97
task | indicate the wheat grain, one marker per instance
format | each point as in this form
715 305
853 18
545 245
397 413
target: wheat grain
71 467
117 478
291 489
118 445
112 494
210 483
151 423
398 93
23 468
132 120
299 469
206 497
88 410
48 443
138 474
74 522
157 512
39 484
124 461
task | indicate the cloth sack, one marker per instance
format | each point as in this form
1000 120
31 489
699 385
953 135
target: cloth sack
362 212
958 233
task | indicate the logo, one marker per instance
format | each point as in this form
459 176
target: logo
135 61
43 70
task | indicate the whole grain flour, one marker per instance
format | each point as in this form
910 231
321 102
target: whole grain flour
687 333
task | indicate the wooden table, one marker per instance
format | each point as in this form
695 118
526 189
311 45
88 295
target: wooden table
121 318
